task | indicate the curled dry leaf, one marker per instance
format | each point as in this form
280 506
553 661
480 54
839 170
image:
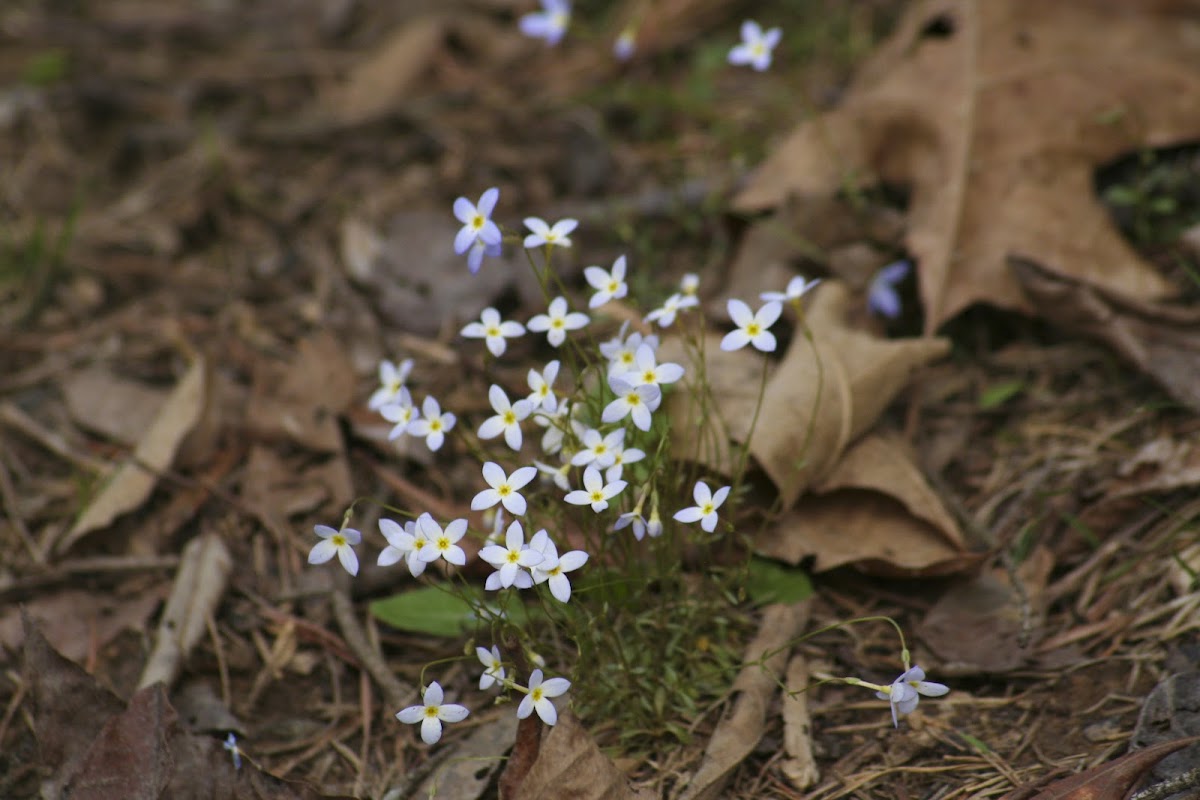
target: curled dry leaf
133 481
973 106
1162 341
874 509
822 396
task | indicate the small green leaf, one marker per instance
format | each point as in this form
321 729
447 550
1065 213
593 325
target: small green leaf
435 611
979 745
999 393
772 582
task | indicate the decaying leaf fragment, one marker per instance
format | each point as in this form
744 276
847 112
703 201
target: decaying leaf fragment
133 482
1162 341
996 114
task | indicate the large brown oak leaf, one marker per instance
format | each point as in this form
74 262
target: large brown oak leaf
996 114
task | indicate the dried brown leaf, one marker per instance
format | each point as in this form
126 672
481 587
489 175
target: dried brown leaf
997 127
988 625
109 405
131 757
1162 341
800 766
73 620
199 585
135 480
738 733
569 764
1113 780
300 400
60 688
384 80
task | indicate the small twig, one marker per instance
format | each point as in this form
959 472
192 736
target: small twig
395 692
17 419
1160 791
8 497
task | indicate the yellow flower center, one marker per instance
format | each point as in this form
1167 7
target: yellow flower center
754 329
510 418
597 495
338 540
478 221
492 331
504 491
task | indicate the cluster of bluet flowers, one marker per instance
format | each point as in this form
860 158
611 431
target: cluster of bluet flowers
593 445
596 435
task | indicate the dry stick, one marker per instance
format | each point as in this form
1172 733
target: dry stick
8 496
1160 791
397 694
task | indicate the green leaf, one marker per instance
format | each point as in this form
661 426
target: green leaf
772 582
999 393
435 611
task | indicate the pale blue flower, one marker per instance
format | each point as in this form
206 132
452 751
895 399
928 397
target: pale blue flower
882 297
756 46
550 23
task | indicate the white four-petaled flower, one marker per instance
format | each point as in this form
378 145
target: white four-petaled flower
433 424
493 671
665 314
493 330
755 47
391 381
334 542
557 321
905 692
554 567
432 713
797 287
541 388
609 284
400 411
595 491
705 510
441 543
598 448
647 370
538 697
478 233
505 488
507 420
621 352
509 559
544 234
405 543
550 23
636 402
752 328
